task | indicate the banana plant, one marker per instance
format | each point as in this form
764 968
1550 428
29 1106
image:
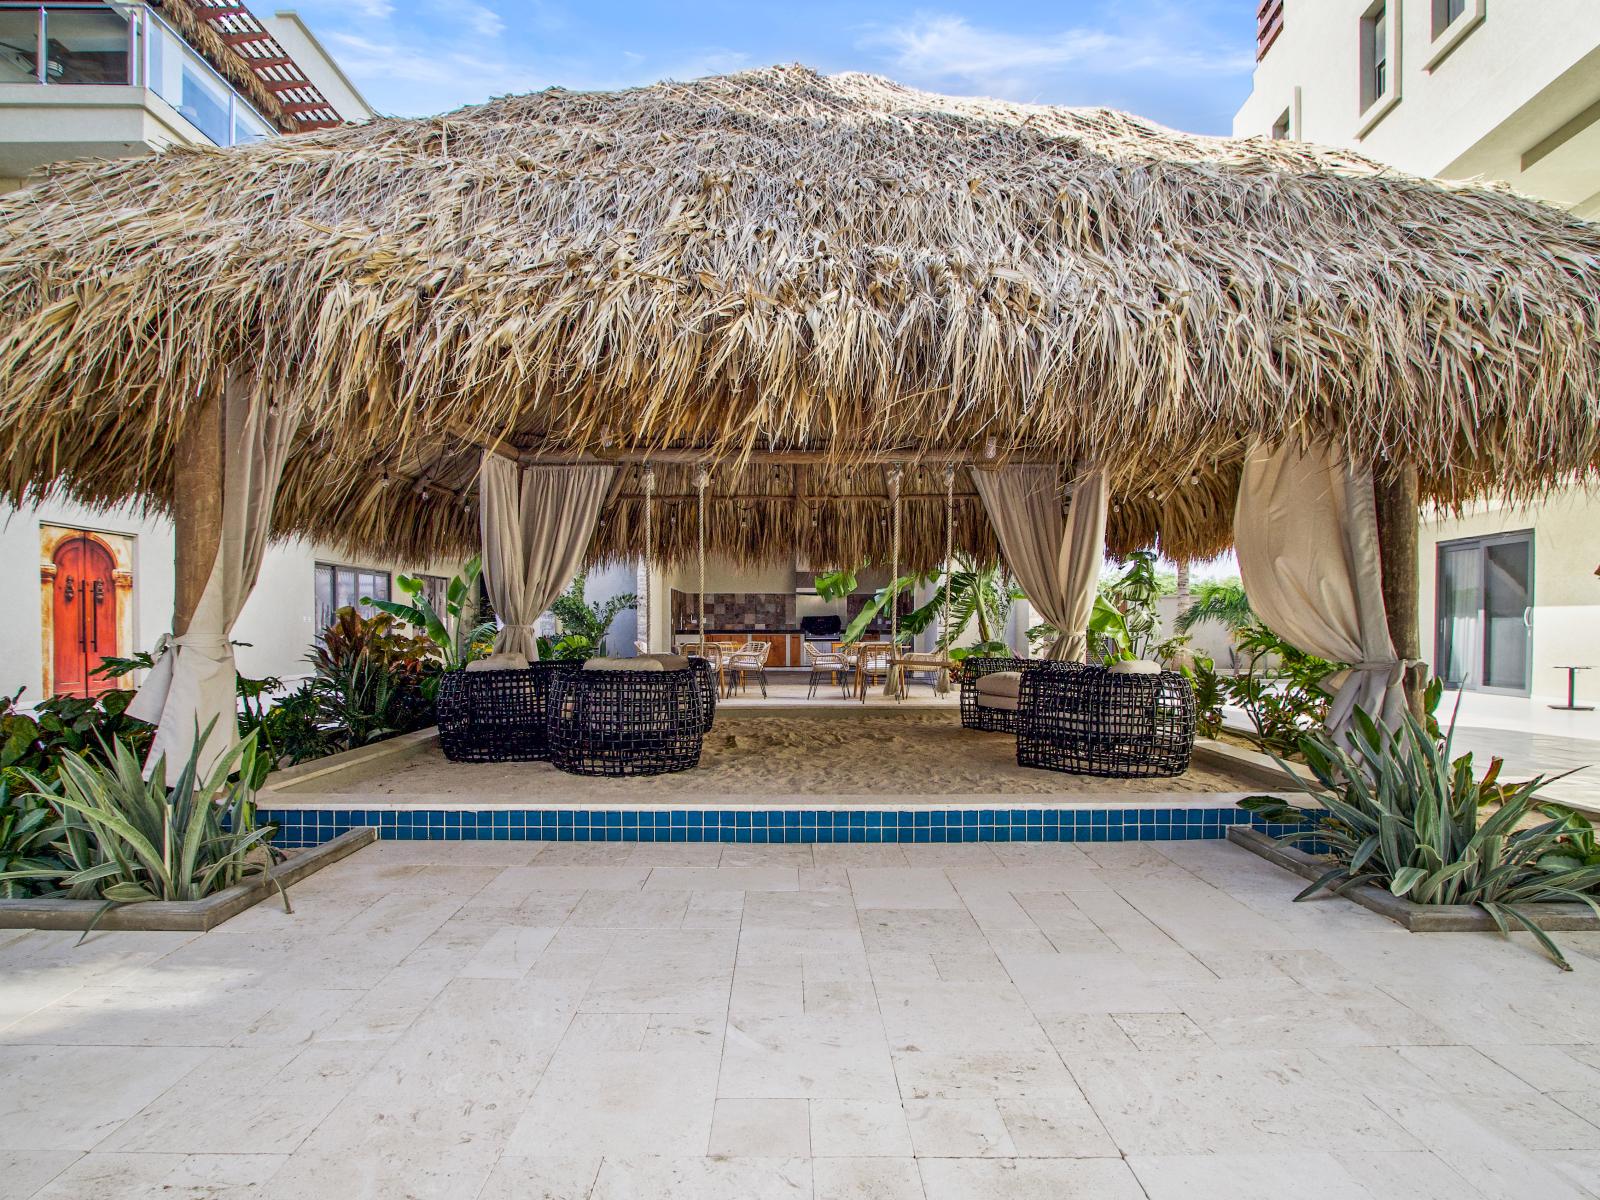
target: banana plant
449 632
980 594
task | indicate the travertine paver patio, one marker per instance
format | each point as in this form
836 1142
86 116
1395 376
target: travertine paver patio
954 1022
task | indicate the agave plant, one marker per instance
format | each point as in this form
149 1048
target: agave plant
1397 811
152 842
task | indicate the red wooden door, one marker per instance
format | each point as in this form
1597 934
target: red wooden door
84 616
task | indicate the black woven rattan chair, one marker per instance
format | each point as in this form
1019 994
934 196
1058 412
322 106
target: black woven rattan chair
497 716
985 716
706 681
1091 721
628 722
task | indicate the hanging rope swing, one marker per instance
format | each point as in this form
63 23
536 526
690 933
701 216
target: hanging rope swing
646 613
702 480
941 683
893 683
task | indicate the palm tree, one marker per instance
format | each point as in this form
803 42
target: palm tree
1219 600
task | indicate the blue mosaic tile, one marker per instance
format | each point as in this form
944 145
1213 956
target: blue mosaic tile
309 827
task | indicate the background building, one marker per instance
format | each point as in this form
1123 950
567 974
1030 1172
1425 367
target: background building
1500 89
100 79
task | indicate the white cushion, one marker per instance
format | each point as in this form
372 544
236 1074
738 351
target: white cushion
1000 683
1134 666
624 664
670 662
499 661
1006 703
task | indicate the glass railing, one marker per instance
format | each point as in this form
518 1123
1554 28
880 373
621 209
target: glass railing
123 44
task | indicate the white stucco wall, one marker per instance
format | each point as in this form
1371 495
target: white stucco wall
1566 592
278 620
1511 80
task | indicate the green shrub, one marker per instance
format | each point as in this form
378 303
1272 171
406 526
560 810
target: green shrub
1397 811
30 827
141 841
35 742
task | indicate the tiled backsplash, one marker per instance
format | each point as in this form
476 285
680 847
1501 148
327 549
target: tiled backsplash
741 612
736 611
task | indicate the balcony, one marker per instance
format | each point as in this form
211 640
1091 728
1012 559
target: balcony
94 80
1269 24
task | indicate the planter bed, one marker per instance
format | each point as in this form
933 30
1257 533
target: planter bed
192 916
1418 918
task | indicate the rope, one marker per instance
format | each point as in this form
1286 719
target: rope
942 683
649 543
702 480
891 677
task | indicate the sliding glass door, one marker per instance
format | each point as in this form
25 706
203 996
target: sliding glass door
1484 631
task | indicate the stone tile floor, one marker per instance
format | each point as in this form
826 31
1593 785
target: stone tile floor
960 1022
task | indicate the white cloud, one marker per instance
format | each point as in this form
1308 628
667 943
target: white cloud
374 10
427 78
947 48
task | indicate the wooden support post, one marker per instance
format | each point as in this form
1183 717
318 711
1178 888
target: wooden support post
1397 503
196 505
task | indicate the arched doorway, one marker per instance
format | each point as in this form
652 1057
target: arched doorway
83 616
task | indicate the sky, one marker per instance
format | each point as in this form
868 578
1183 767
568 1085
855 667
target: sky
1185 63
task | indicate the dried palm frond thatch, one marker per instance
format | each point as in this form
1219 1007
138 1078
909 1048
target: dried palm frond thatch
781 262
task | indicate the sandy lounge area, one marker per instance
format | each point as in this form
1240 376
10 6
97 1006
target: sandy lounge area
829 753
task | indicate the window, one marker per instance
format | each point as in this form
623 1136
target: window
1379 51
436 588
1280 128
345 587
1374 56
1453 20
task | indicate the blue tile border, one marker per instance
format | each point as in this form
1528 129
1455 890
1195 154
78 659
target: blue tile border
299 827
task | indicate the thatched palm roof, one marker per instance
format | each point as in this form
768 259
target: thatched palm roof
780 261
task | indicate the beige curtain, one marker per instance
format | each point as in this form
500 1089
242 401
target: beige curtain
1306 533
192 682
1056 558
536 525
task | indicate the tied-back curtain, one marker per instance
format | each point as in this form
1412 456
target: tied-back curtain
536 525
1306 534
1056 558
192 683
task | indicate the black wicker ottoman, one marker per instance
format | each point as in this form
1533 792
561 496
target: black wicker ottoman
497 716
627 722
985 710
1092 721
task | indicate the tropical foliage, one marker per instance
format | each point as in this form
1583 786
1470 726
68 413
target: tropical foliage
29 829
1396 810
980 596
1219 600
36 741
456 637
584 626
114 835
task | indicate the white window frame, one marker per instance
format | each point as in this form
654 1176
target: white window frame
1292 112
1375 108
1446 37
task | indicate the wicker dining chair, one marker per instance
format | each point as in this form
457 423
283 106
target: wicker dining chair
826 664
752 656
713 653
872 665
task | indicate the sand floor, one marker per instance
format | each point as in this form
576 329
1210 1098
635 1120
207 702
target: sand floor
829 753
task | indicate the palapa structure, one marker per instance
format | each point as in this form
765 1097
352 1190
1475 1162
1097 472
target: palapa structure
797 279
785 262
